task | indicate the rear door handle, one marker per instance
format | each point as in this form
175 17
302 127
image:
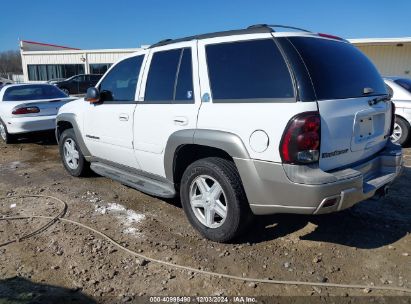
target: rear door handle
180 120
123 117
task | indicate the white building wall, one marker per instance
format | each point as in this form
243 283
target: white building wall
85 57
391 60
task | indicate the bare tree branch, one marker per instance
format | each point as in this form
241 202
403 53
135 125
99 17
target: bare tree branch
10 63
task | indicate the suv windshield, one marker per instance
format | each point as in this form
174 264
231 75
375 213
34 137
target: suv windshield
33 92
405 83
338 69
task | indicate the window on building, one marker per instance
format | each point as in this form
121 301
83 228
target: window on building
45 72
170 77
121 82
99 68
253 69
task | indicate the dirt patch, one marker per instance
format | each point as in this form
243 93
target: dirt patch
367 244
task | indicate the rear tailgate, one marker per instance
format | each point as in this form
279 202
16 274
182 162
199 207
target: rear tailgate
351 130
351 97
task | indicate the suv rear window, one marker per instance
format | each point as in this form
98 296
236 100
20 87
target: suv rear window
338 69
253 69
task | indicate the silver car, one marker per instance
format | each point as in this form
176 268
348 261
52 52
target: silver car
400 88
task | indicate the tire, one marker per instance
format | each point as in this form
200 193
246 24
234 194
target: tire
70 149
5 135
214 170
401 131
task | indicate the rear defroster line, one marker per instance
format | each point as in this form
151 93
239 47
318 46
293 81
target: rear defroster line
59 218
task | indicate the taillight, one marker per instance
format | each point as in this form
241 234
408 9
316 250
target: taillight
25 110
392 117
300 143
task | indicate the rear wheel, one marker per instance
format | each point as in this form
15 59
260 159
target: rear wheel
401 131
70 153
4 134
214 200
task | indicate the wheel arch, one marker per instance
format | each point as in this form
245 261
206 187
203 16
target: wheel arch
66 121
403 118
186 146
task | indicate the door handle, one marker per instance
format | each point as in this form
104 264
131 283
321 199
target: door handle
123 117
180 120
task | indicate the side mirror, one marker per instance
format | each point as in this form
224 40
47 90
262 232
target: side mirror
93 95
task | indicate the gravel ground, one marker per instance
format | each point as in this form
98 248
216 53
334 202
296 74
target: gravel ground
367 244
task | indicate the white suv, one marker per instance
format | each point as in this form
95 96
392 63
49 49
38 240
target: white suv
241 122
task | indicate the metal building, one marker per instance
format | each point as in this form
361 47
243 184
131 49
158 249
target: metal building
392 56
43 62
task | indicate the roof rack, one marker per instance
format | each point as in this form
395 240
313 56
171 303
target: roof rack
278 25
253 29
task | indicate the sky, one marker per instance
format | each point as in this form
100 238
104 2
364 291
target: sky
97 24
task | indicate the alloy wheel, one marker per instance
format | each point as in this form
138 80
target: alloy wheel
71 154
397 133
3 133
208 201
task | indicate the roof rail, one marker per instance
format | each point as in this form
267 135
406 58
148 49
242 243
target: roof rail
253 29
216 34
277 25
161 42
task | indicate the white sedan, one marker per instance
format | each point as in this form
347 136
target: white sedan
29 108
400 88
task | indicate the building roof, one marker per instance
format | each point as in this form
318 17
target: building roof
27 45
380 40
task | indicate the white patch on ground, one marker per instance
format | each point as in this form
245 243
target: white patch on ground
130 230
128 217
13 206
111 207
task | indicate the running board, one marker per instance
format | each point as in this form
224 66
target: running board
136 180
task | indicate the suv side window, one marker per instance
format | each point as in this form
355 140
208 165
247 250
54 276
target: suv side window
184 82
252 71
170 78
121 82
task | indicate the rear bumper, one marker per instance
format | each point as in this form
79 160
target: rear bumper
276 188
31 124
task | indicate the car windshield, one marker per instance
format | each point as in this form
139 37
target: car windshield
338 70
405 83
33 92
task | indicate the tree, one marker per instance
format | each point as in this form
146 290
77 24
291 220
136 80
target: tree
10 63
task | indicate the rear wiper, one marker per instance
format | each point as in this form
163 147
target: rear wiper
376 100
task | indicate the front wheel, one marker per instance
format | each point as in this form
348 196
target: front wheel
401 131
70 153
214 200
4 134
